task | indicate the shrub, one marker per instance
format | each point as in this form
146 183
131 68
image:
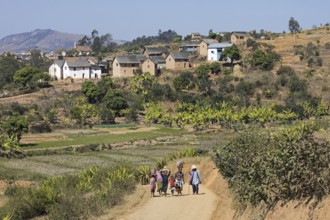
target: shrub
319 61
296 85
244 88
270 167
287 70
40 127
327 45
72 197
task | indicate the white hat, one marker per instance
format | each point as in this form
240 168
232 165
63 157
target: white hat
193 167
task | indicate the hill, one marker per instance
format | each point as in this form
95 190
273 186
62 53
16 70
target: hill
43 39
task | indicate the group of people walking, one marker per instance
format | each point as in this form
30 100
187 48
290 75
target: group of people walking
161 180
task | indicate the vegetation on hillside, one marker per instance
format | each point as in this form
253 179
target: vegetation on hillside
271 167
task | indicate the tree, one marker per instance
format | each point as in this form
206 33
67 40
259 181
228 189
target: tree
15 126
294 26
91 91
232 53
37 60
186 80
8 66
264 60
25 75
115 101
203 70
96 46
85 41
215 67
177 39
212 35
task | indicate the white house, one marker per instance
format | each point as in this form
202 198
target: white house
56 69
79 69
214 51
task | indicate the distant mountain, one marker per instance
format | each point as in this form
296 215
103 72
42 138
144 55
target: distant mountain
42 39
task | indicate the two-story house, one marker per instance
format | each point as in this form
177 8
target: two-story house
127 65
177 60
214 51
204 44
76 69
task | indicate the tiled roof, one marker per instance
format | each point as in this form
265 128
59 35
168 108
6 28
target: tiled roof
210 41
95 67
179 56
158 59
133 59
156 50
83 48
241 33
219 45
78 63
60 63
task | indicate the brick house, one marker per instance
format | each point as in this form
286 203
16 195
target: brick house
154 65
155 51
204 44
239 37
127 65
177 60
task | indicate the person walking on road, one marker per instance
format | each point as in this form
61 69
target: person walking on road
165 172
195 179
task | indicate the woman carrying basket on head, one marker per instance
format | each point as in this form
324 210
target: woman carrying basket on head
179 178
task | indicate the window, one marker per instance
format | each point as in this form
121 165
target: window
148 66
83 75
116 64
54 70
212 51
83 68
241 37
170 59
74 68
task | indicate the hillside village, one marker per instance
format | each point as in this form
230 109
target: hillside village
82 130
153 59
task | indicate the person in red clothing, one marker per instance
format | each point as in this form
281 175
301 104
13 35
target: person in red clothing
172 184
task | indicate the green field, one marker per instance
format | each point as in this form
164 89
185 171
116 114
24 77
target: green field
103 136
66 162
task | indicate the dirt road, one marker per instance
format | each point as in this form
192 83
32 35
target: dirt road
185 207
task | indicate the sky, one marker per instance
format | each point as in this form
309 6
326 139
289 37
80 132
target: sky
128 19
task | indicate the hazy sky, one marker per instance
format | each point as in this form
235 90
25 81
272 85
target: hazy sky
128 19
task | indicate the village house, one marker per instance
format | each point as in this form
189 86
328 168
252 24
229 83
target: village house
204 44
196 36
155 51
189 47
239 37
214 51
177 60
154 65
82 50
127 65
223 33
76 69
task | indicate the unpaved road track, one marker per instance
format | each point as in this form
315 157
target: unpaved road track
185 207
